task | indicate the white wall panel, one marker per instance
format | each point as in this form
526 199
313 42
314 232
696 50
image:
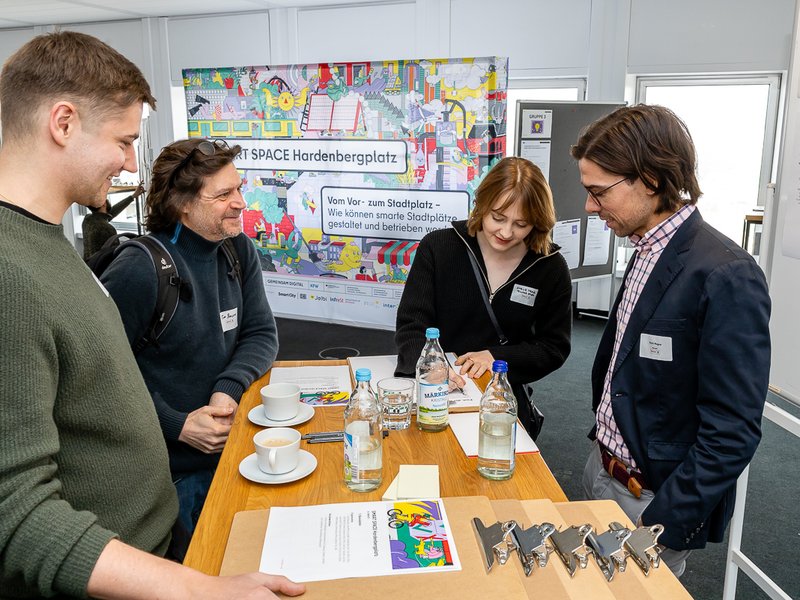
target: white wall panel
218 41
537 35
124 36
11 40
687 36
357 33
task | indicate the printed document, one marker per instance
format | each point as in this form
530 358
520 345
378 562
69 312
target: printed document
319 386
363 539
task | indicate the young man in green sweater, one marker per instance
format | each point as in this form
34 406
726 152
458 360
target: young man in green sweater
86 499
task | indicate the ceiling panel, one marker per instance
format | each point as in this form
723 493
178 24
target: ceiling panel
21 13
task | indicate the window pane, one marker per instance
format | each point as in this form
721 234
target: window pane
727 125
534 94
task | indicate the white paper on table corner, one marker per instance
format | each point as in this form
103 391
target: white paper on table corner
465 428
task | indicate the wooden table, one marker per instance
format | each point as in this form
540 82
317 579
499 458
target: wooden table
231 493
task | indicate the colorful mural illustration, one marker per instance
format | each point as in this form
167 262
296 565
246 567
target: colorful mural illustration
347 166
417 536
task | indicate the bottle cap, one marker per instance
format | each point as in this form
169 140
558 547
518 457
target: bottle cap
432 333
500 366
363 374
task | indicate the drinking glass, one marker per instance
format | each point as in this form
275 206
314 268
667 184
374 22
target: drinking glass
395 395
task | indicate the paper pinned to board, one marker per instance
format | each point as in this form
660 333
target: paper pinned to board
465 428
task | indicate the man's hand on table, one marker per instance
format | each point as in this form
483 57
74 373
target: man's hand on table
223 399
203 429
252 586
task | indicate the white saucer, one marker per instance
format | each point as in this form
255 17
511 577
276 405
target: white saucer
257 416
306 463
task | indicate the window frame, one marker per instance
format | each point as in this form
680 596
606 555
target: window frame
769 160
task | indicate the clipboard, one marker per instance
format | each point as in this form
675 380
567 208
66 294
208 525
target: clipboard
246 539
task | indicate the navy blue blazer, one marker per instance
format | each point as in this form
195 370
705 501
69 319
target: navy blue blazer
690 380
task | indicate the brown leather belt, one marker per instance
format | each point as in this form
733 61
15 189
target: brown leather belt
632 480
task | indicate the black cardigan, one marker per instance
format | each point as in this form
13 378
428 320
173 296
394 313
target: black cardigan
442 292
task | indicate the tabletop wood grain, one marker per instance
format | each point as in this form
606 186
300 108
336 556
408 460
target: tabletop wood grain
231 493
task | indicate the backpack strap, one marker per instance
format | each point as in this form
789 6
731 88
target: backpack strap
168 294
229 250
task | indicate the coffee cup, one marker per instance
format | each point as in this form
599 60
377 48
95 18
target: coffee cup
277 449
281 401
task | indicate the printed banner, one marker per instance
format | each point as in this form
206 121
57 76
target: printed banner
347 166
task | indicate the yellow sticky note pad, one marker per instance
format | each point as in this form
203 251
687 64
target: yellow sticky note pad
418 481
391 491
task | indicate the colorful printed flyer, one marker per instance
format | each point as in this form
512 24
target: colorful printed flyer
364 539
319 386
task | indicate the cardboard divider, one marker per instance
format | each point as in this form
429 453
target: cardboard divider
246 540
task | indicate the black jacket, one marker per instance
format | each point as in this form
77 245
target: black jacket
442 291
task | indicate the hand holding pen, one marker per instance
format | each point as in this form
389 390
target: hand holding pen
456 381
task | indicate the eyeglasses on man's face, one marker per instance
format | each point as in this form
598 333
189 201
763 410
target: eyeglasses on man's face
597 195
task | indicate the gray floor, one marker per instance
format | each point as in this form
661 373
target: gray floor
772 518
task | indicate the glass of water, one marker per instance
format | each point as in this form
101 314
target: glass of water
395 395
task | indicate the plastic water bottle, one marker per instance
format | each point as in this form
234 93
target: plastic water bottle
498 426
363 456
433 373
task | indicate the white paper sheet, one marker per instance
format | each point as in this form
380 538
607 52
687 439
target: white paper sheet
567 234
595 248
382 366
538 152
465 428
319 386
363 539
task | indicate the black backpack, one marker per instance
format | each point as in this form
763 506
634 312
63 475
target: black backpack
171 288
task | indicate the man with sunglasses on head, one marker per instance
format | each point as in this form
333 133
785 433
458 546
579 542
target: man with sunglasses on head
680 376
86 501
222 335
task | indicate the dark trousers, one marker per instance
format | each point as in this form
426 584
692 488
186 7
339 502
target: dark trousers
192 490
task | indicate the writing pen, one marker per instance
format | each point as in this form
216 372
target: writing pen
457 388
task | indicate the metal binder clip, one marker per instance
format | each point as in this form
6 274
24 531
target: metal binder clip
569 545
643 545
495 540
531 545
609 551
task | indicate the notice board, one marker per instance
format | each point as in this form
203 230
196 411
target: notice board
545 132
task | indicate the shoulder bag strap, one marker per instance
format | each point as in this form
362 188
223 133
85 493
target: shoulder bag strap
485 296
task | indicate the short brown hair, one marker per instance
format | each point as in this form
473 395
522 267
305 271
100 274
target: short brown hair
67 65
178 176
649 143
515 178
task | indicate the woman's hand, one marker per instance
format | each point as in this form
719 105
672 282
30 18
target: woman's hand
475 364
456 381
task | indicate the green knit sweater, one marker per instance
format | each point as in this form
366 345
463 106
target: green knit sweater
82 458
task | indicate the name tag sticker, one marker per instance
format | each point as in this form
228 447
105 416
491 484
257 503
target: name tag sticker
229 319
524 295
655 347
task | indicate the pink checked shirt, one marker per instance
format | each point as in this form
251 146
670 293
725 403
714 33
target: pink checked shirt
648 250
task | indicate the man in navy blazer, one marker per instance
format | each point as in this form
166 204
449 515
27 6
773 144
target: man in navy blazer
681 372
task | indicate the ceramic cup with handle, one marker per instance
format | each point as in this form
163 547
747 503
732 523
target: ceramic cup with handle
281 401
277 449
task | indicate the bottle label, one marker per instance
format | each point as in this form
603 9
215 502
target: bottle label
432 403
350 456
